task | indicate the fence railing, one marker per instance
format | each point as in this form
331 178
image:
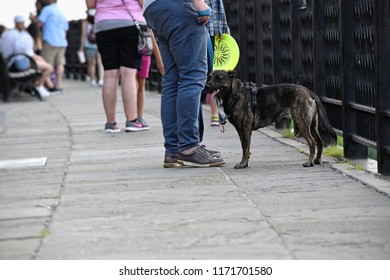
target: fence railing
338 48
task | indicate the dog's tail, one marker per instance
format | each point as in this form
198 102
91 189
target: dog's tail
323 121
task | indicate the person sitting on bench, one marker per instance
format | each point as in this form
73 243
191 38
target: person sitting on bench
19 41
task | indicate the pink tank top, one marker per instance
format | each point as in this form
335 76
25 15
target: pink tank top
116 10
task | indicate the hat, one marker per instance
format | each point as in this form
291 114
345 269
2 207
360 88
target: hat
19 19
91 12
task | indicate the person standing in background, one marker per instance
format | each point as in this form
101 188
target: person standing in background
54 27
216 27
89 47
33 28
116 38
182 37
143 74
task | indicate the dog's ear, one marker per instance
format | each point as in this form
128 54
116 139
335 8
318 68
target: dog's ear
232 74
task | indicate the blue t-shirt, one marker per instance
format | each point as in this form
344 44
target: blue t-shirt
55 26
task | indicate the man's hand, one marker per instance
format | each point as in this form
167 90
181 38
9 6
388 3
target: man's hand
204 11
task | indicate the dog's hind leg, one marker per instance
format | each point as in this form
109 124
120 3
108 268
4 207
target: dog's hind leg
317 137
304 127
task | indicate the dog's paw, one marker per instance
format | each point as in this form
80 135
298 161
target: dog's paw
318 161
308 164
241 165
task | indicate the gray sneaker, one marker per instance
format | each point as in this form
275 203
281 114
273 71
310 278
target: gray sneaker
111 127
143 122
200 158
216 154
170 161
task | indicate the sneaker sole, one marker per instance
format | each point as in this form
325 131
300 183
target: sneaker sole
194 164
172 165
136 129
112 131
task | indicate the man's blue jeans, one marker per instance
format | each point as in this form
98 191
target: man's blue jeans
183 46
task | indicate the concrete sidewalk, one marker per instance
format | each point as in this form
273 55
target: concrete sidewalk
106 196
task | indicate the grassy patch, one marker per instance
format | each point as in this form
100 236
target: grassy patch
45 232
334 151
355 166
288 133
340 141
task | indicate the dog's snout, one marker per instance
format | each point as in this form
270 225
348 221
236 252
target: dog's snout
207 87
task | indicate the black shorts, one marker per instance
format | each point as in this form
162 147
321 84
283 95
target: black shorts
118 47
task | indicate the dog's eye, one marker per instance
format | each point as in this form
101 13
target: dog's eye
219 77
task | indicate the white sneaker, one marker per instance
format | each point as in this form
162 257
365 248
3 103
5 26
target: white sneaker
93 83
100 83
43 92
87 78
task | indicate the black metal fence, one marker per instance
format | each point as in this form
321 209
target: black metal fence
338 48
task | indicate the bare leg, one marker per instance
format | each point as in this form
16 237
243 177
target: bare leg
60 74
91 68
100 67
214 107
110 88
129 91
140 97
45 67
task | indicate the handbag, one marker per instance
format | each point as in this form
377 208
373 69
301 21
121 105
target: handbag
145 43
91 35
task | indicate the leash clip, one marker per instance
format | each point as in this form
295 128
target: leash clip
222 128
222 124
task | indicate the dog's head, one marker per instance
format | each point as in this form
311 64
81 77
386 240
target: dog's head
219 83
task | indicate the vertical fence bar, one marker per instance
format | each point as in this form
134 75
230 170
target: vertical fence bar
259 55
266 28
352 149
319 42
383 97
242 39
276 41
296 43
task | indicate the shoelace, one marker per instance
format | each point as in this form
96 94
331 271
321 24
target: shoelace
205 153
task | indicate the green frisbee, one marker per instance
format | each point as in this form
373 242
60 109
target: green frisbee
226 53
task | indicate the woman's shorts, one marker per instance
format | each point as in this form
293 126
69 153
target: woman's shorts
90 53
118 47
144 72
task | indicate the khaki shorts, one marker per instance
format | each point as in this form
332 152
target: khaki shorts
53 55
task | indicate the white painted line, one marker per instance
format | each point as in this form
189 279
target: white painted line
22 163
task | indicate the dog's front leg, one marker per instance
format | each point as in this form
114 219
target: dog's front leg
245 138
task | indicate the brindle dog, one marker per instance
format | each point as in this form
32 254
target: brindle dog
249 107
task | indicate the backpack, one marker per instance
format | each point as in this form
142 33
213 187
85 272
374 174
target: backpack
91 36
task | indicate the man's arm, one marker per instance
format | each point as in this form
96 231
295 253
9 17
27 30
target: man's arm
200 5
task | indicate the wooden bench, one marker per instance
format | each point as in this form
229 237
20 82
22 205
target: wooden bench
22 80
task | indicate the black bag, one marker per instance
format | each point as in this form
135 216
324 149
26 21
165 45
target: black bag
145 43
